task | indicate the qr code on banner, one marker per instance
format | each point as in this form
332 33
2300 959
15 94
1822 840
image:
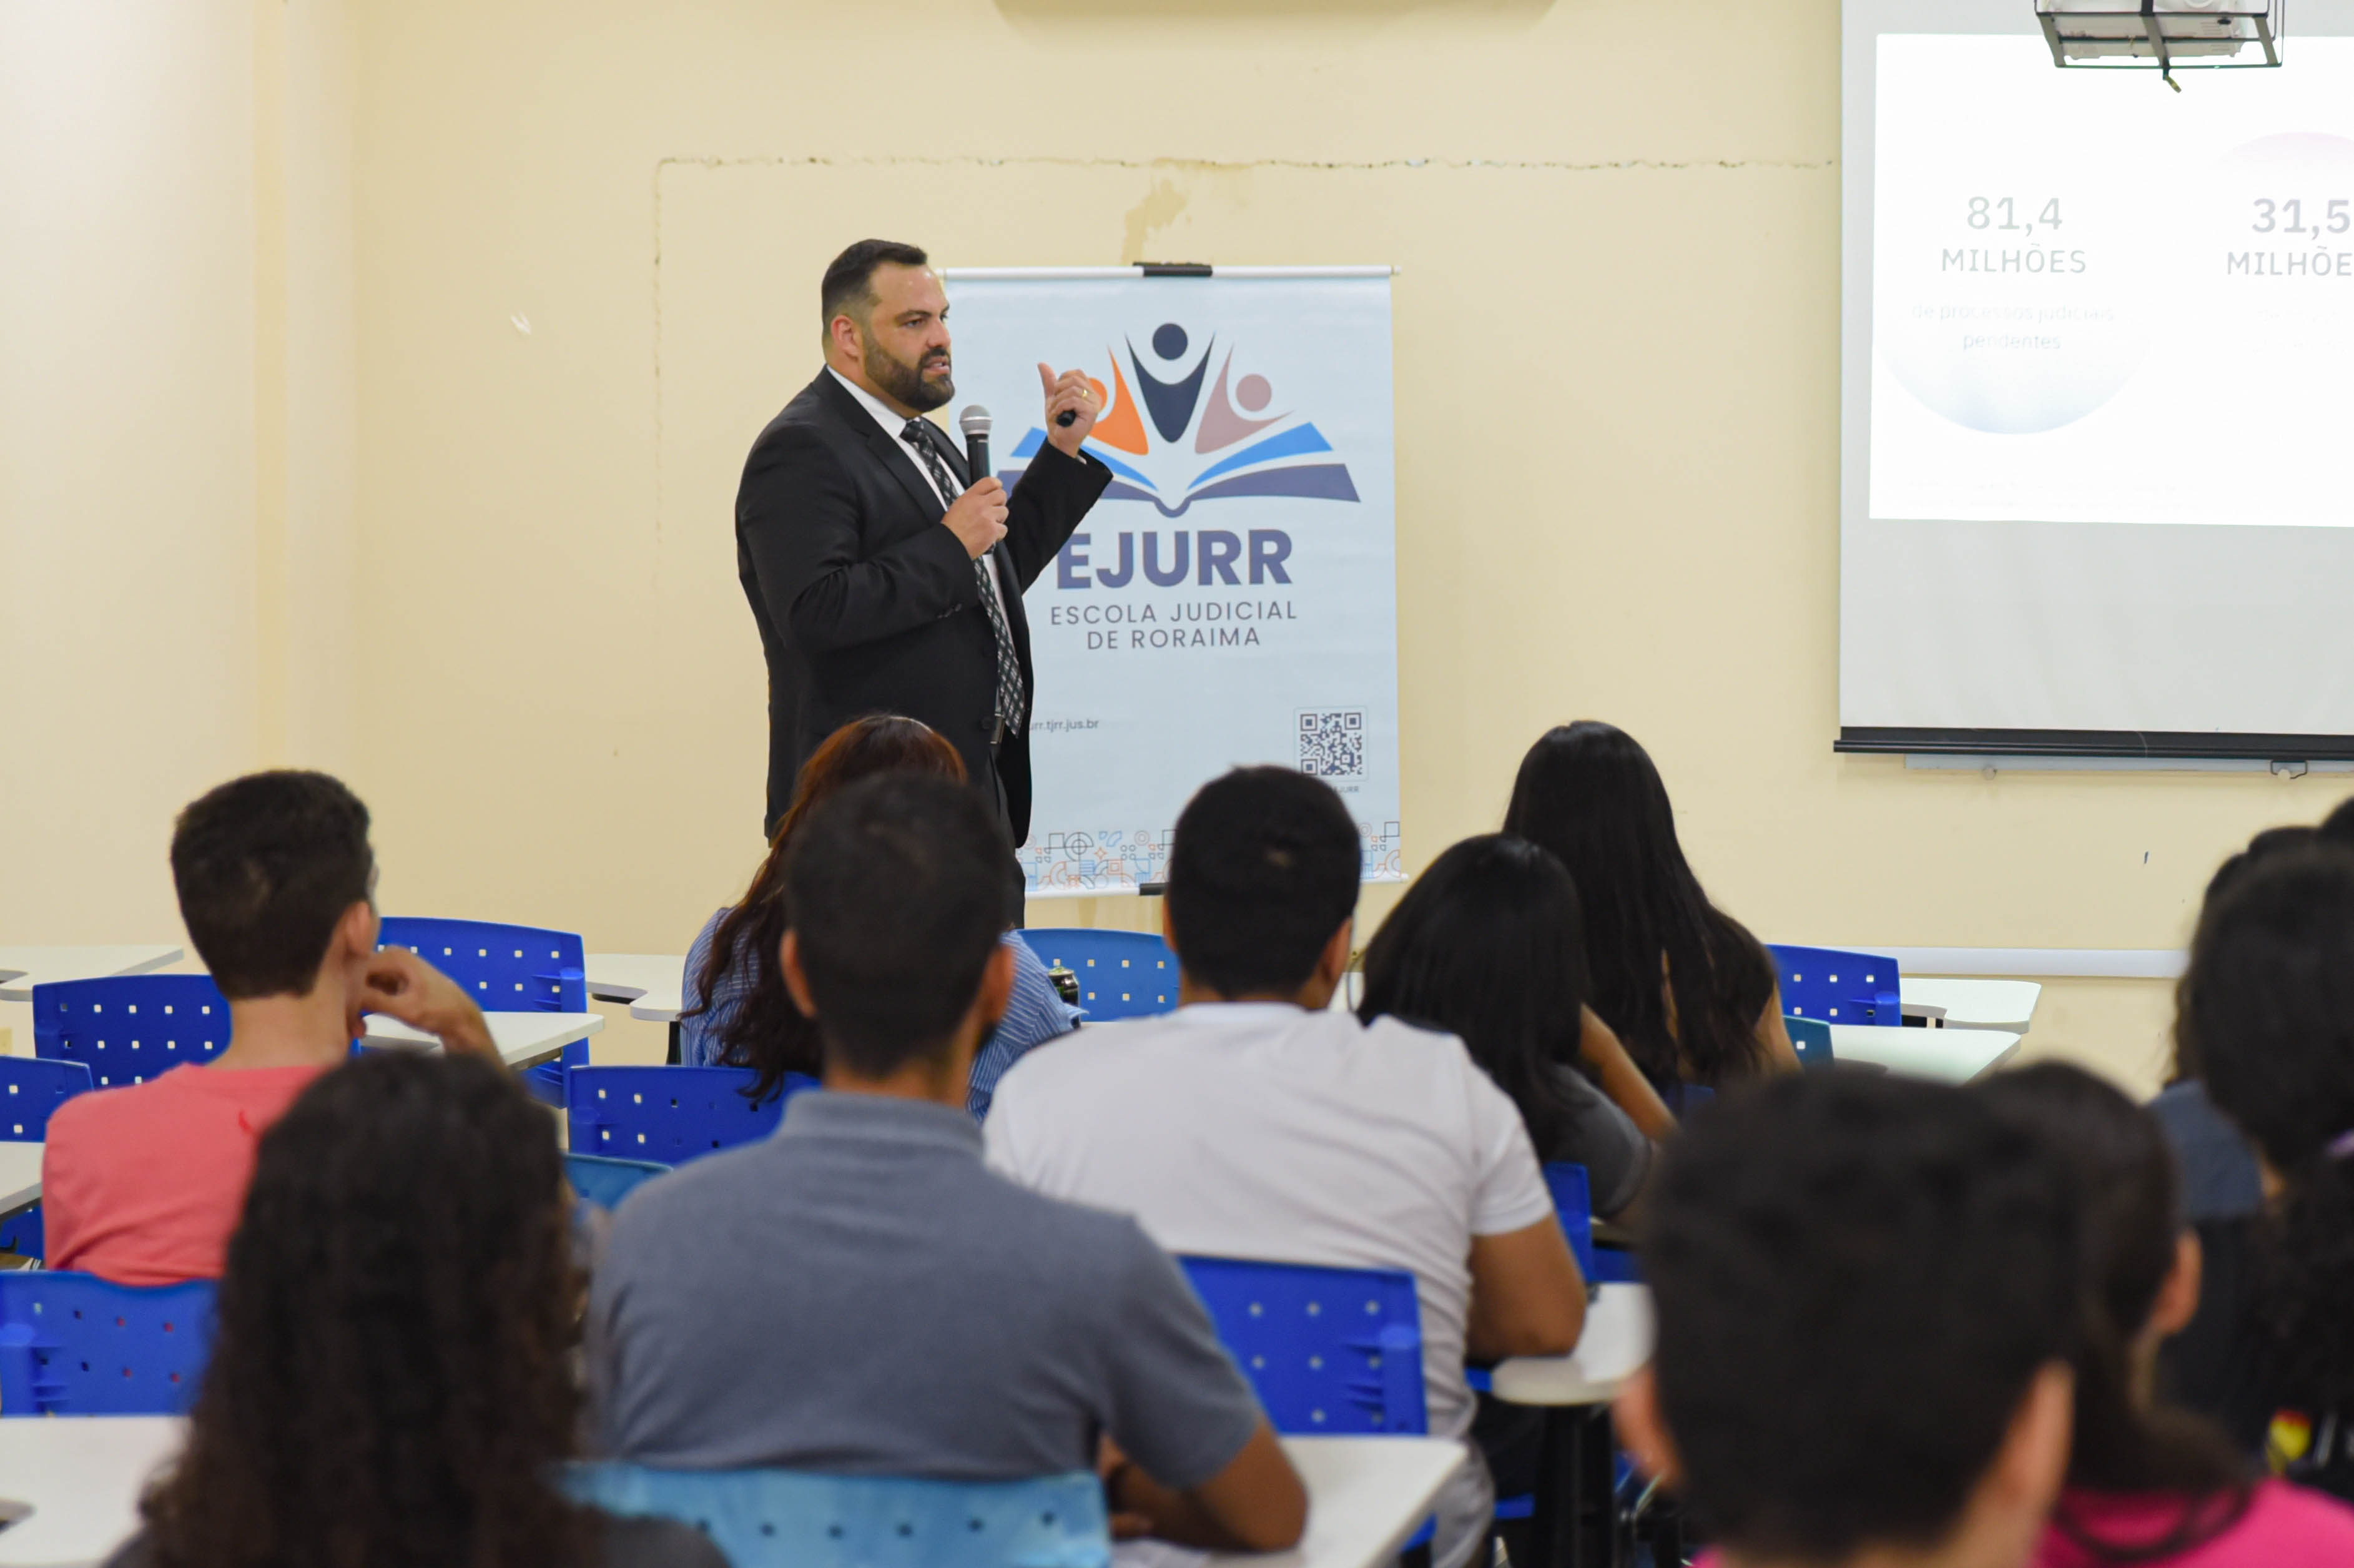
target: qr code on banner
1332 745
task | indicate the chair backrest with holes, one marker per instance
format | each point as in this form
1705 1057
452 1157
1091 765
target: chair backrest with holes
1838 987
1812 1039
791 1518
1122 974
604 1181
669 1115
74 1344
505 968
30 1089
1331 1350
130 1028
1573 1205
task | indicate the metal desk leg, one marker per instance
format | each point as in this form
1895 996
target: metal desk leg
672 1059
1574 1522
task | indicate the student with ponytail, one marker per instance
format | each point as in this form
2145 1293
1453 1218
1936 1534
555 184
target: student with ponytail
2147 1484
2265 1018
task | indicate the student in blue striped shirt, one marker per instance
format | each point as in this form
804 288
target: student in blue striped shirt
738 1013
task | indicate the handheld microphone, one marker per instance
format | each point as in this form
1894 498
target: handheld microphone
1067 418
974 422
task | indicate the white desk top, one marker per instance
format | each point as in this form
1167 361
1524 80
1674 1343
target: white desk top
1953 1055
82 1476
21 969
1616 1340
2004 1004
524 1039
1365 1497
20 1177
654 984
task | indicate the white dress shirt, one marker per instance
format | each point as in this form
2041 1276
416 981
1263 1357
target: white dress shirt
896 426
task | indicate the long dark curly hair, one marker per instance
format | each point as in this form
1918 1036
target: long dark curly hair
766 1033
390 1381
1590 793
1489 946
2264 1015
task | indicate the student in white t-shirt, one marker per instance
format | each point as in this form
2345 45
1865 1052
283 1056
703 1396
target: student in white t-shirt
1253 1123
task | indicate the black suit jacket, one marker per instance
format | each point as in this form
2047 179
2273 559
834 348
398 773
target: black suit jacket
866 605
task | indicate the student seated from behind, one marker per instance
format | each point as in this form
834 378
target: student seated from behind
2213 1366
1692 992
2266 1022
1254 1123
738 1012
1865 1291
141 1184
2147 1484
391 1377
1488 945
858 1295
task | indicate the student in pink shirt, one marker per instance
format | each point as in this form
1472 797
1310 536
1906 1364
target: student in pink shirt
2148 1484
1866 1291
142 1185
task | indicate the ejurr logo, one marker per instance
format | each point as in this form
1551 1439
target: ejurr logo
1151 419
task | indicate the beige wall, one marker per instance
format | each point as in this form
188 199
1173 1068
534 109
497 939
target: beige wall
126 446
176 386
579 242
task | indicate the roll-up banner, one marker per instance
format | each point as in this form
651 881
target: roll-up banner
1233 596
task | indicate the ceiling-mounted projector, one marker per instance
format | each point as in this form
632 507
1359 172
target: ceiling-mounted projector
2169 35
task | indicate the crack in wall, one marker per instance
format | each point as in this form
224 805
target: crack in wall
1215 166
1158 207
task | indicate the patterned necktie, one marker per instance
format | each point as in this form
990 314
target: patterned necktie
1010 704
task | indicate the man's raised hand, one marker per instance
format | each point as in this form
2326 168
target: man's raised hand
1070 393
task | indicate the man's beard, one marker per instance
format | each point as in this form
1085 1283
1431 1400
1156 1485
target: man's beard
906 382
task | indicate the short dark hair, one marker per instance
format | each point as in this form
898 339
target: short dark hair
1264 869
894 892
1856 1280
849 285
265 865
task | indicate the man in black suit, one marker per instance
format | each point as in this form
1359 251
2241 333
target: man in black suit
885 579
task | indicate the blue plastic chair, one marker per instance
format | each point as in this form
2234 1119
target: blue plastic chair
130 1028
506 968
1838 987
1811 1038
669 1115
791 1518
1122 974
30 1089
1331 1350
24 1234
73 1344
604 1182
1573 1205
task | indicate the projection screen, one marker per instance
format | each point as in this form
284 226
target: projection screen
2097 394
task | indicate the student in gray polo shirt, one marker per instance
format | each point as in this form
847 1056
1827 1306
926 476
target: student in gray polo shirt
858 1295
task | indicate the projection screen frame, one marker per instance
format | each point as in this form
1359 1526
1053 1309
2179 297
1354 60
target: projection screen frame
1861 23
